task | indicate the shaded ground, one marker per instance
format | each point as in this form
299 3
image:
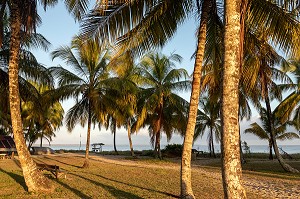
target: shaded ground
120 177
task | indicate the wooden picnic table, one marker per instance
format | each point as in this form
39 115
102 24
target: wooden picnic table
3 156
54 169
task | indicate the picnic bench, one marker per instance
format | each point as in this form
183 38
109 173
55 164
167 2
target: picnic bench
7 155
3 156
54 169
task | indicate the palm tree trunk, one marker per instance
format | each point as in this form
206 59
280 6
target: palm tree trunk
34 180
231 163
86 163
155 148
186 178
129 138
158 127
271 150
209 147
281 161
41 143
212 144
114 132
158 146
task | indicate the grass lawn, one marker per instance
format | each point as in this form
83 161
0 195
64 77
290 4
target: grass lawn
111 177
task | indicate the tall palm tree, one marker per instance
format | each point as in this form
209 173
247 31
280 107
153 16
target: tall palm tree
123 91
23 17
123 95
158 103
185 180
262 131
261 74
230 119
208 118
89 61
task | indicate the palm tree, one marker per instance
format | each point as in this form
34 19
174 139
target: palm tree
208 118
262 131
89 60
23 20
123 91
261 74
123 95
23 17
158 104
41 117
230 105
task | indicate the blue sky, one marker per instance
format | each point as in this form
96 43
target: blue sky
59 28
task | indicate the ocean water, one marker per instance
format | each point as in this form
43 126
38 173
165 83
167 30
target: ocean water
291 149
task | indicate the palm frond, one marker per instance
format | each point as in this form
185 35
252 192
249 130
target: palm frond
279 24
137 25
77 114
257 130
288 136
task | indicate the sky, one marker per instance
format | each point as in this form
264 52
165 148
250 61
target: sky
59 28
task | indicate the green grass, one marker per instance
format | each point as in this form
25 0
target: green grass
142 178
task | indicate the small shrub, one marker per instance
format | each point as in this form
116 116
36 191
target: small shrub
173 150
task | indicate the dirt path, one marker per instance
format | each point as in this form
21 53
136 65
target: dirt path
265 187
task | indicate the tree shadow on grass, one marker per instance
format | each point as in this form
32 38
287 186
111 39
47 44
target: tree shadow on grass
131 185
62 162
115 192
116 163
17 162
75 191
18 178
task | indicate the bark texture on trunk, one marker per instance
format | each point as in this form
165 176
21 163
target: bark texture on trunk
157 127
34 179
129 138
231 163
271 151
86 163
280 159
186 173
158 146
212 145
114 132
155 147
157 151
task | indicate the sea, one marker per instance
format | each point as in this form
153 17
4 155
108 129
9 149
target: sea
290 149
